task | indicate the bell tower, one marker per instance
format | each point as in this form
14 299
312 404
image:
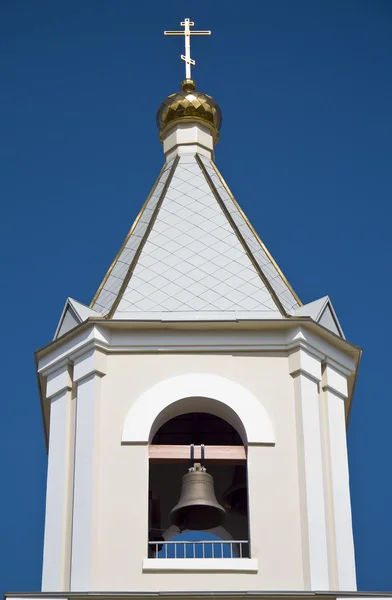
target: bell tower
195 413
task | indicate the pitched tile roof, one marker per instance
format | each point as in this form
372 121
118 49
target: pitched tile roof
191 252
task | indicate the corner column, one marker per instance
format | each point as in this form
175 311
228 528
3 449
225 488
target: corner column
334 389
89 368
305 368
58 519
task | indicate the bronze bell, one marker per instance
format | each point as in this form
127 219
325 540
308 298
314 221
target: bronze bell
197 507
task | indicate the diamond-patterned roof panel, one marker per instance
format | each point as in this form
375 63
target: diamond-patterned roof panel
275 278
111 285
185 255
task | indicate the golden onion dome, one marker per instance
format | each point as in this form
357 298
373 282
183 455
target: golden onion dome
189 105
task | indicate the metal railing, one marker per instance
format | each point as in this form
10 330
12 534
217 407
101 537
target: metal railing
199 549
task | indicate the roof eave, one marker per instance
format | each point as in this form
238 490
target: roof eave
149 323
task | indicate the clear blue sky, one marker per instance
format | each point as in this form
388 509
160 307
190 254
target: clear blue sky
306 92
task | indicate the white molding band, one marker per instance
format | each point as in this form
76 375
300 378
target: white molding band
223 397
230 565
145 338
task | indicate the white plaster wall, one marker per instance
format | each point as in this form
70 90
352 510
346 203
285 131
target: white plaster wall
188 137
121 478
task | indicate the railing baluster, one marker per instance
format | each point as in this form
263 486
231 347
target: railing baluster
156 547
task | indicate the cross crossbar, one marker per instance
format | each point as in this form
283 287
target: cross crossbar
187 24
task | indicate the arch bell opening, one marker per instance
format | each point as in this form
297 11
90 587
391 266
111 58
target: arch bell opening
198 420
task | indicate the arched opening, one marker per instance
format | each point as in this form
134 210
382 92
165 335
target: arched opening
195 405
197 428
225 461
201 392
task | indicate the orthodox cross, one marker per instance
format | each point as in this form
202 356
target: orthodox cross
187 24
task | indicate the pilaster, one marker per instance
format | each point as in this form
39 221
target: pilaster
58 521
305 368
334 392
89 368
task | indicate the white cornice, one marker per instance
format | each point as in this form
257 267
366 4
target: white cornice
278 336
275 336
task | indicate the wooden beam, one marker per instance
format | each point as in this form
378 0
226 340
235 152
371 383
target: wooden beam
181 454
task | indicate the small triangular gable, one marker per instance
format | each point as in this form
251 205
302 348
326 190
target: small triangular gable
73 314
322 312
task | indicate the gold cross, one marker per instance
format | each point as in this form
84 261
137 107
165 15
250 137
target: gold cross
187 24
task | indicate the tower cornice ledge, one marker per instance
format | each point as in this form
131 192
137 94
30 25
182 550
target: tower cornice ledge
278 336
268 335
298 595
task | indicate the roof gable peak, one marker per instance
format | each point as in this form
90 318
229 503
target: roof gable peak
191 250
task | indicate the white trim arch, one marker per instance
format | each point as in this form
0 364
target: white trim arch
230 401
194 404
